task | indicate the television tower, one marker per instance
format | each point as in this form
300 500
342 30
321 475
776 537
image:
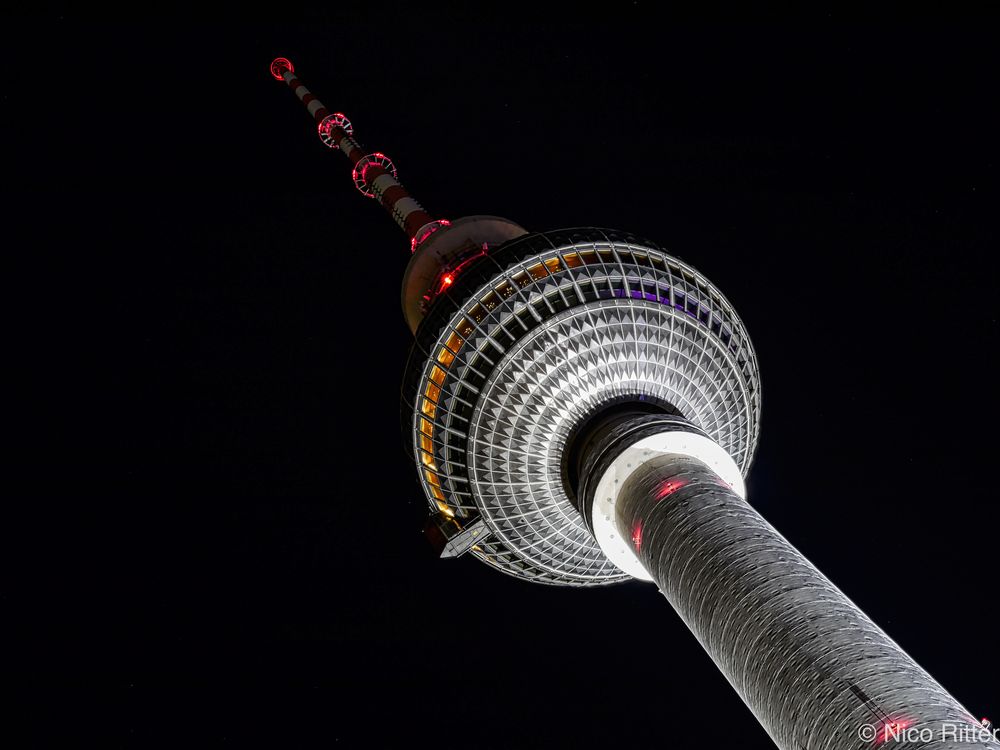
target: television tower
582 408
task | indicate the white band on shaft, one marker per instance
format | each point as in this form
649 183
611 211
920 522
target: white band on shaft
612 541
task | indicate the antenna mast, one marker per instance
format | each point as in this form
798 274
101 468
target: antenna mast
374 173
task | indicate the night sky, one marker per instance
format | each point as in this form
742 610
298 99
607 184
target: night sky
217 539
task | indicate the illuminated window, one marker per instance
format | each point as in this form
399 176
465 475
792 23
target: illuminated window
477 313
505 289
426 443
553 264
522 279
537 271
428 460
429 408
437 375
426 427
454 342
432 478
445 357
590 257
465 328
432 392
438 494
572 260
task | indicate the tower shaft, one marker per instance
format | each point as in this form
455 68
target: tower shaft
810 665
374 173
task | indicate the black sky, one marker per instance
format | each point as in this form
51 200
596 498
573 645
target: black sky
198 546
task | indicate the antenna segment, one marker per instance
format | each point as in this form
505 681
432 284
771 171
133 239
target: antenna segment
374 174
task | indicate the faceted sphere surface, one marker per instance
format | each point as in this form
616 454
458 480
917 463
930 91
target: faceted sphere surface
540 334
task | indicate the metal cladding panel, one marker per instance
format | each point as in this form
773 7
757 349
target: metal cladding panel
815 671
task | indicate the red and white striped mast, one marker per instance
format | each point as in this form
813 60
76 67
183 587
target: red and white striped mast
437 255
374 173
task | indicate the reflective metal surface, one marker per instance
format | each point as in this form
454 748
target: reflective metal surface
536 336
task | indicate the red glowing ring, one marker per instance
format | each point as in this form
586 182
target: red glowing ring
328 123
278 67
364 164
426 231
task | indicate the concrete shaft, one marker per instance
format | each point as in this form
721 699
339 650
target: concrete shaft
815 671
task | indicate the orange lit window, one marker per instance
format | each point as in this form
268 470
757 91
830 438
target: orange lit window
553 265
537 271
444 508
428 460
490 300
432 478
572 260
445 357
429 408
438 494
465 328
426 427
454 342
505 289
426 443
437 375
477 313
522 279
432 392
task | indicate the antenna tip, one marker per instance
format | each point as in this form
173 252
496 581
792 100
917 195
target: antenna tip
279 65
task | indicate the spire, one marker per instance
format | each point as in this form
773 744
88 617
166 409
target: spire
441 249
374 173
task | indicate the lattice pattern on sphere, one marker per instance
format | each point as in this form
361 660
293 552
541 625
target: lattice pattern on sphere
552 325
582 358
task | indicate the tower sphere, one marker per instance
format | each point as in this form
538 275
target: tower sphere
536 341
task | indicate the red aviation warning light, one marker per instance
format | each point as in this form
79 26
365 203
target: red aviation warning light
426 231
637 536
368 164
669 487
279 65
330 125
892 730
